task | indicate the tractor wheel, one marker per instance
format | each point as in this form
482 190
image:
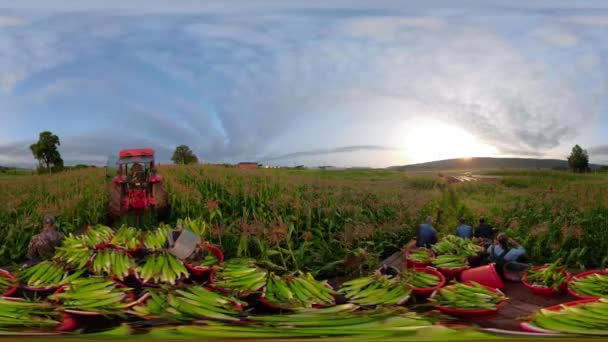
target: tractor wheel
115 208
160 194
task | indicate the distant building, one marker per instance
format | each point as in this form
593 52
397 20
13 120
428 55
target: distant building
248 165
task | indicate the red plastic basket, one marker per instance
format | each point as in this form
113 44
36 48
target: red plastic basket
452 273
425 292
68 323
583 275
418 264
470 313
40 290
12 290
544 290
136 250
484 275
103 246
530 327
201 270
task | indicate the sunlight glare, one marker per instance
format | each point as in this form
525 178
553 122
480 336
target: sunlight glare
433 140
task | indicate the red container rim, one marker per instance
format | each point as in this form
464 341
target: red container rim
545 290
41 289
452 272
429 290
197 270
236 305
68 323
530 327
583 275
461 312
264 301
14 299
474 312
200 270
419 263
492 267
102 246
215 250
459 269
12 290
136 249
81 313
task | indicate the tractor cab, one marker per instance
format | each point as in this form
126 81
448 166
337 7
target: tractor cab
136 168
136 186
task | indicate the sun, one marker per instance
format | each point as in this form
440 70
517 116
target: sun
434 140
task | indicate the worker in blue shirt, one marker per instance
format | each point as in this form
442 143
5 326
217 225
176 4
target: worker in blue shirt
463 230
427 235
509 256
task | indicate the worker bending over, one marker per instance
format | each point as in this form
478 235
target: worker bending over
42 246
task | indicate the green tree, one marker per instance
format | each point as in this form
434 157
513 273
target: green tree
183 155
579 159
45 151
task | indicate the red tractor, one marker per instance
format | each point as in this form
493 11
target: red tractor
137 187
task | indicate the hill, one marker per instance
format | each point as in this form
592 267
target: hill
488 163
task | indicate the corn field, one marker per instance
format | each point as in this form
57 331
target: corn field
331 223
75 197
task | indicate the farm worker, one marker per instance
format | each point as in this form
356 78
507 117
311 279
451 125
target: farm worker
485 232
42 246
427 235
509 256
137 171
464 230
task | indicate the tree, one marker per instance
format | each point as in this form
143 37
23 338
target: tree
45 151
183 155
578 160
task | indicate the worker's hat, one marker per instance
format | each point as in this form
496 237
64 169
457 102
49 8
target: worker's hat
49 219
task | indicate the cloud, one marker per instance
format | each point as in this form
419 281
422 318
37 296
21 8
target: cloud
12 21
591 20
386 26
521 153
318 152
557 37
299 77
600 150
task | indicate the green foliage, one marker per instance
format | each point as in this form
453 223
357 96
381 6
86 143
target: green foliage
45 151
329 222
297 220
578 159
184 155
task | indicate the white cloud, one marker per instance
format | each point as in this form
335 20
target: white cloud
386 27
12 21
593 20
294 79
557 36
589 61
29 51
231 33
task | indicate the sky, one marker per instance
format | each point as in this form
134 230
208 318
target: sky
344 83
